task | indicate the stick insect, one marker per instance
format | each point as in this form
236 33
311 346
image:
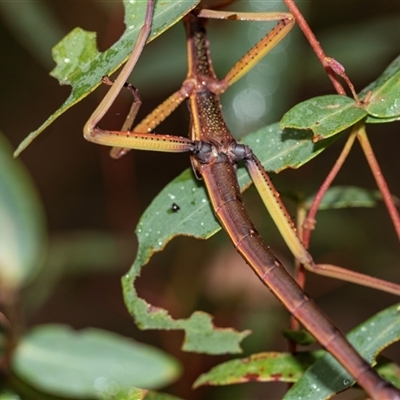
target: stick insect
214 154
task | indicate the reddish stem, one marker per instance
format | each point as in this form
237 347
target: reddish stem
290 4
357 131
339 70
362 136
379 178
310 220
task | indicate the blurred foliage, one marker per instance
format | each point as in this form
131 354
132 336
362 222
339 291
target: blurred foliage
89 364
22 233
92 203
54 361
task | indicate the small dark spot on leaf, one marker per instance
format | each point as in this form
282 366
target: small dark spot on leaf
175 207
252 377
276 377
232 17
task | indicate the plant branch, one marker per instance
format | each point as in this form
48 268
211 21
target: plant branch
314 43
379 178
309 222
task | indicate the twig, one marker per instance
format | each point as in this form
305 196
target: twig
290 4
309 222
379 178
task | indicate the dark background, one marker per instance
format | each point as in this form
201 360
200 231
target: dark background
91 200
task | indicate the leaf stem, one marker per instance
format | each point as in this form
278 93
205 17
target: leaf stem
379 178
314 43
309 222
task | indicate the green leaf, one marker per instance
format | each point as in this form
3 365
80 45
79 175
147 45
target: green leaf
389 71
345 197
262 367
90 363
384 100
201 335
159 224
82 66
142 394
325 116
328 377
388 370
22 230
325 376
372 120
